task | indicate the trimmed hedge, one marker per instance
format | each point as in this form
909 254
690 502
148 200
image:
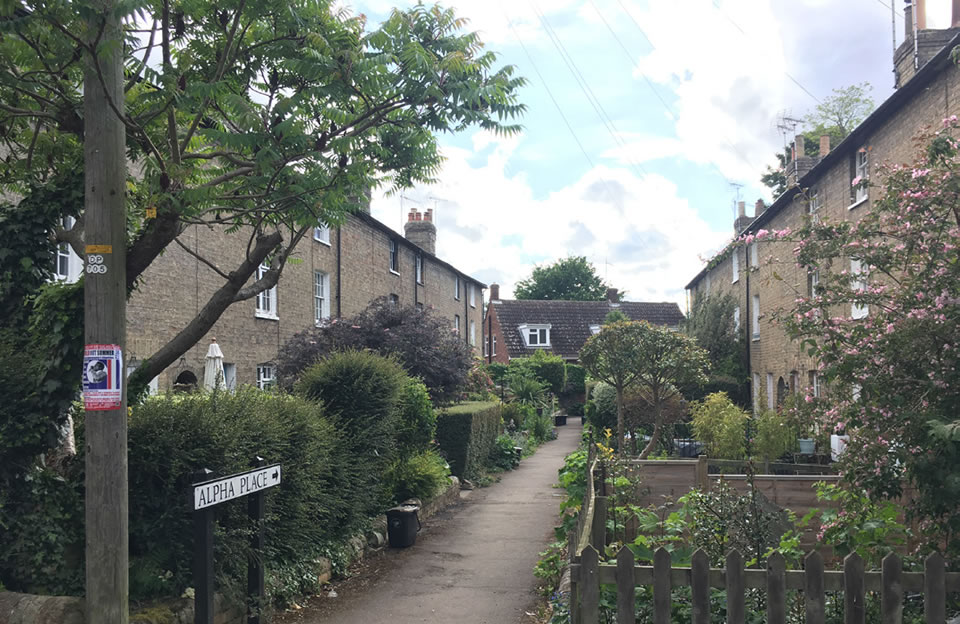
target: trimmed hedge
576 380
466 434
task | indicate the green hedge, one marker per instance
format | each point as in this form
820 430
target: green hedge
466 434
576 380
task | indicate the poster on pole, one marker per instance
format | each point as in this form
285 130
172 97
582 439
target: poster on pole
102 377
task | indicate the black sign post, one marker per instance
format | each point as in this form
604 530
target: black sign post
208 492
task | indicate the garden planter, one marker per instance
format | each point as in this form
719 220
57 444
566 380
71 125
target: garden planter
559 420
807 446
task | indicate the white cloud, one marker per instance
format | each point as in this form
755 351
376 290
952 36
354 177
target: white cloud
640 235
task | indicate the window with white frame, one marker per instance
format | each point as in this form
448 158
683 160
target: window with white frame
858 281
735 264
473 333
266 376
770 396
813 282
756 390
754 255
321 233
67 266
473 295
266 299
595 329
861 175
755 326
456 323
814 205
321 297
535 335
419 268
736 319
494 341
456 288
394 253
814 381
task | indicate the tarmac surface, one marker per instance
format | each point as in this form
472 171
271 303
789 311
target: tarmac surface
471 564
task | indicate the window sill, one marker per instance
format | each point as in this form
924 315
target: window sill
323 242
858 202
456 298
397 273
267 316
735 281
755 338
419 282
321 322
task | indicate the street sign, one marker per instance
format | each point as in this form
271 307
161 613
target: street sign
216 491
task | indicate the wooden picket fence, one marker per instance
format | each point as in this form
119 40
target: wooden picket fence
589 574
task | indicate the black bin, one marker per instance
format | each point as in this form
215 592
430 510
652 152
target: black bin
402 525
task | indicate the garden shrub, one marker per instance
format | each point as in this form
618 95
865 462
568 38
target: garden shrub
478 385
466 433
576 380
602 411
417 420
720 425
526 389
515 414
421 340
549 369
772 435
360 392
540 427
497 372
422 475
502 455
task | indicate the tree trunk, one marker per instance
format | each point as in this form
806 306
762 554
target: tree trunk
657 426
621 437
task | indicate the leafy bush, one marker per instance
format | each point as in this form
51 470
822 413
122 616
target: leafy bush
502 455
478 385
526 389
602 408
539 426
721 426
573 478
422 476
576 380
773 436
421 340
417 421
360 392
497 372
549 369
515 414
322 498
466 433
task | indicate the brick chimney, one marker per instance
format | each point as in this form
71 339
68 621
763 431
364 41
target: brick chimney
742 220
759 208
613 296
494 292
921 43
801 163
420 230
824 145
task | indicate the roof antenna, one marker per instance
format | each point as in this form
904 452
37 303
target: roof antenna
737 186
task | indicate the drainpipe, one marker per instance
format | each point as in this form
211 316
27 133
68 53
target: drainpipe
339 271
748 323
489 334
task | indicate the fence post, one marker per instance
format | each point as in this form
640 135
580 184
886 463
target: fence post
700 587
813 590
735 588
598 531
891 596
573 536
661 586
776 589
590 586
934 589
625 587
703 479
854 595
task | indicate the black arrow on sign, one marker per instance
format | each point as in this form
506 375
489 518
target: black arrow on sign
275 475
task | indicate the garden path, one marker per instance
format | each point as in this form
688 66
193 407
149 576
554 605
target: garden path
471 564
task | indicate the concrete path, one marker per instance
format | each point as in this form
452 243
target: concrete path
472 564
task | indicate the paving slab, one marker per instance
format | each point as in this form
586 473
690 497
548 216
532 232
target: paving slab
471 564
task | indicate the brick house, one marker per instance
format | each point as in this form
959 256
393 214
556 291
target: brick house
518 328
820 186
335 273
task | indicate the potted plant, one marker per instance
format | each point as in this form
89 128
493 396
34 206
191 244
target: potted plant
801 414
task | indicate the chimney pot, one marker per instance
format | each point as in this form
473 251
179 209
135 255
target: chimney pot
428 215
798 147
412 215
613 296
758 208
494 292
741 209
824 145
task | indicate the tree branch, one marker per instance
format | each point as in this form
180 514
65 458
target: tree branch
201 259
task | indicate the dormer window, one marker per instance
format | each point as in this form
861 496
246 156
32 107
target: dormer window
535 335
595 329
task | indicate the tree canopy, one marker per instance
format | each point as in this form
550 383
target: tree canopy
572 278
261 119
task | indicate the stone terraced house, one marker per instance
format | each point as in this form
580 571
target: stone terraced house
820 186
336 273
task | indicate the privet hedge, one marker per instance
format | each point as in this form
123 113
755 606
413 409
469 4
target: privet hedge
466 434
576 380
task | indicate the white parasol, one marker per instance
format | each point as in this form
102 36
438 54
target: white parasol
213 369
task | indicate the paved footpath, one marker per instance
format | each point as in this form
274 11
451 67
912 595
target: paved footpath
472 564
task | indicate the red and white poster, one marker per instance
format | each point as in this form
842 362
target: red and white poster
102 377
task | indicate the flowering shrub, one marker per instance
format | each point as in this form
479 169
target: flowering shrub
885 329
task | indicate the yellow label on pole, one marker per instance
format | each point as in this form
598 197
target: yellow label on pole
99 249
151 213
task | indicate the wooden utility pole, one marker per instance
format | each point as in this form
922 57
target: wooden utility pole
105 397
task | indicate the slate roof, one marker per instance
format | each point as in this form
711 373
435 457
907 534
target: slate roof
571 320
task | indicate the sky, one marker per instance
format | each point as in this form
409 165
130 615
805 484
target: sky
646 120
